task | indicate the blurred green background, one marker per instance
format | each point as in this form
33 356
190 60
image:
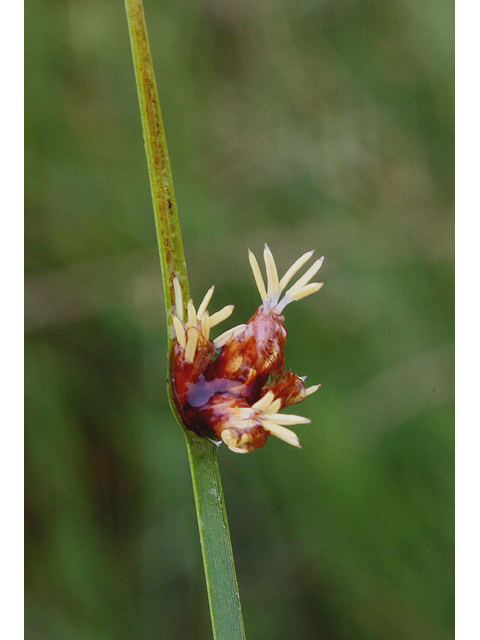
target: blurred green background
310 124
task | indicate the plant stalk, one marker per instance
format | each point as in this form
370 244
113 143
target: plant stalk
222 588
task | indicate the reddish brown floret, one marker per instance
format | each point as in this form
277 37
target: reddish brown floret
209 391
232 389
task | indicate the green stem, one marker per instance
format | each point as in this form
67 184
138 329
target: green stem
215 541
161 182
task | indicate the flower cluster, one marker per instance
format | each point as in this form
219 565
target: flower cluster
233 388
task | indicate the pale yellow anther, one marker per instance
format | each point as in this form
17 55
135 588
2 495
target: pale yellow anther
191 344
296 266
312 389
237 449
179 331
305 279
177 287
284 434
192 314
221 315
287 419
231 334
257 274
230 439
305 291
272 274
264 402
205 325
274 407
202 308
226 436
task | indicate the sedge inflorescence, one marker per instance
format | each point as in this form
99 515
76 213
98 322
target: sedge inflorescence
232 388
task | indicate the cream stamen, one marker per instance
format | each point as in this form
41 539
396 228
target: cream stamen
203 307
221 315
257 274
231 334
296 266
284 434
178 298
191 344
179 331
191 314
272 274
312 389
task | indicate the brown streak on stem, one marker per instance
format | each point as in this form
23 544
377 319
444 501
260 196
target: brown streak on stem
166 217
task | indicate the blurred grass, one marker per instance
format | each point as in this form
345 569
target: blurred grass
313 124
